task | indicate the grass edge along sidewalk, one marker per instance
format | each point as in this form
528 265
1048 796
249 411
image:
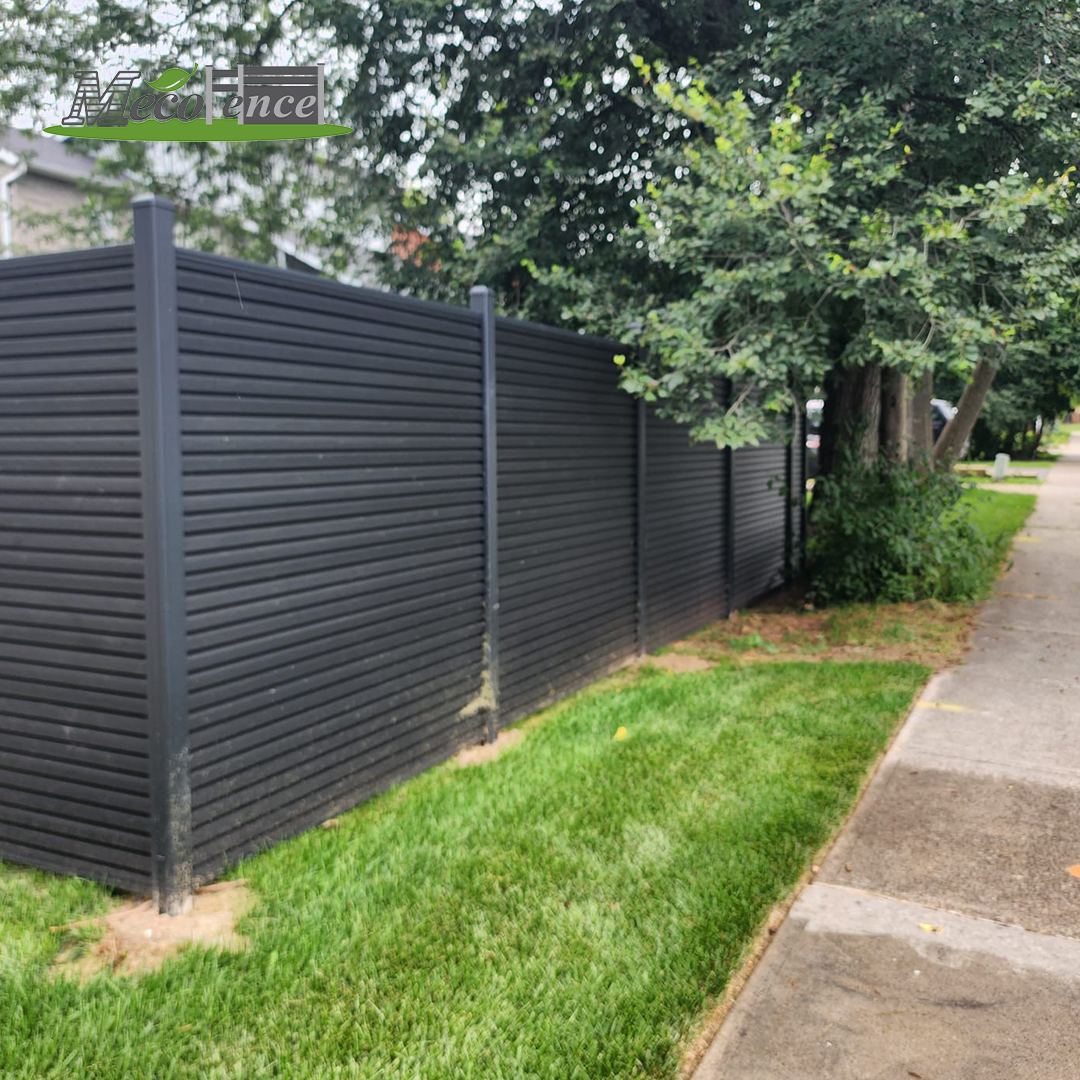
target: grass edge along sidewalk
573 908
569 909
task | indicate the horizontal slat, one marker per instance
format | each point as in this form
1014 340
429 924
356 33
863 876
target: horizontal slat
74 788
51 852
241 777
567 513
294 285
333 485
57 265
216 750
315 801
248 623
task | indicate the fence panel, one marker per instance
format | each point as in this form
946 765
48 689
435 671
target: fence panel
685 571
74 768
333 505
334 544
567 514
760 507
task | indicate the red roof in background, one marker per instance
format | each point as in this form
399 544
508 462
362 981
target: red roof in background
406 244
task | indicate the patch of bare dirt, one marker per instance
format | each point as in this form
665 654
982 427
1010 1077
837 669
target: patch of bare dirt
136 938
785 628
482 753
678 663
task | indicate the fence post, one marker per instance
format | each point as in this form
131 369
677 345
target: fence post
804 457
729 520
789 500
156 339
482 301
642 509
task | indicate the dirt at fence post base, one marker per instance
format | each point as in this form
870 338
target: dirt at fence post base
680 663
136 938
482 753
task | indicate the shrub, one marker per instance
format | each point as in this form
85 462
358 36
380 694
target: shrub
893 532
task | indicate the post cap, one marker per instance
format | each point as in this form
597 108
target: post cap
157 202
481 297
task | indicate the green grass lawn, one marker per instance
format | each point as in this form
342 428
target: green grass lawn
998 515
1028 480
1061 434
1043 461
571 909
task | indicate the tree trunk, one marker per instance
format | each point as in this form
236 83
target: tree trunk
958 429
1036 437
921 423
852 413
894 414
839 406
868 414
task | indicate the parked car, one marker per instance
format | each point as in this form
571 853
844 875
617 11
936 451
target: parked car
941 412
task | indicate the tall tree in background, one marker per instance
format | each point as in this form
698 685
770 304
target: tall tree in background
496 131
1032 389
918 219
791 275
890 194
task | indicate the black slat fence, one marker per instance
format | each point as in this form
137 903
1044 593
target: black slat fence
269 544
566 514
333 525
74 765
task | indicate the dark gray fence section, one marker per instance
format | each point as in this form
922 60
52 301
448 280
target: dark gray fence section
349 476
567 511
684 533
74 767
332 454
761 536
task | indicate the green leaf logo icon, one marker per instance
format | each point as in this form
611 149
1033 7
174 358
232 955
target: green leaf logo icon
173 79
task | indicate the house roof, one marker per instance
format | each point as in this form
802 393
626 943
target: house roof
47 156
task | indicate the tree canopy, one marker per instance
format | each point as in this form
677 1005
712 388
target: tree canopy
498 131
778 193
803 245
893 188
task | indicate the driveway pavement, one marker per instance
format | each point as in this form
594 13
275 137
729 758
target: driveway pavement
941 939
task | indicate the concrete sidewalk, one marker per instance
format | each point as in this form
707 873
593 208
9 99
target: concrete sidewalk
941 939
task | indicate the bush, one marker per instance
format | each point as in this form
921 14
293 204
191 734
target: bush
893 532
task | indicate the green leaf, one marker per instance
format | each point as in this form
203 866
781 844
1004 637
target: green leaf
171 80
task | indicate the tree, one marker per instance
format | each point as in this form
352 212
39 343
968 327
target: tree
902 205
790 280
498 131
1032 389
518 139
